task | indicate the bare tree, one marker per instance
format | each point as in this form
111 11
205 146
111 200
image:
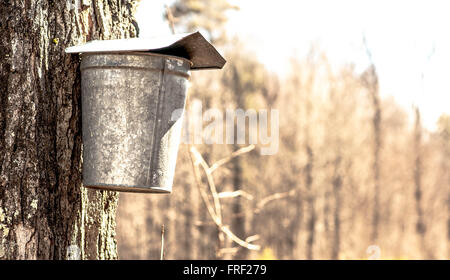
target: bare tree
311 202
370 80
308 168
420 224
238 224
337 185
444 135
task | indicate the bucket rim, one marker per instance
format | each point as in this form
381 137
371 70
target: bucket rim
143 54
128 188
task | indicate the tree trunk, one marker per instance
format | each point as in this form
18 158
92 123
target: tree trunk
44 212
311 203
445 162
337 185
370 79
238 222
420 224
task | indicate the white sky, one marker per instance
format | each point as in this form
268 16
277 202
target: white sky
400 34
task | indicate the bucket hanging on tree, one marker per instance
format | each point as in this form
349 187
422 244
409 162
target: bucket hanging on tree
133 97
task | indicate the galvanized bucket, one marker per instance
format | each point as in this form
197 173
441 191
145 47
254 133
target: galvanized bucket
132 106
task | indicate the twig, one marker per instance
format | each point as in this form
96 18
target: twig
215 215
170 18
234 250
228 251
162 242
239 241
273 197
252 238
236 194
368 52
221 162
212 185
203 194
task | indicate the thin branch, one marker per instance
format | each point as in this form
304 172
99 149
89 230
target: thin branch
215 215
239 241
273 197
203 194
368 52
228 251
212 186
236 194
162 242
252 238
170 18
223 161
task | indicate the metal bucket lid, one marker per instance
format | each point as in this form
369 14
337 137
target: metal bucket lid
192 46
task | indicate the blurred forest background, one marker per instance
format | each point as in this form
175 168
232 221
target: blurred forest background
356 176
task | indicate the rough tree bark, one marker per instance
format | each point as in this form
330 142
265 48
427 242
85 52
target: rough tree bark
43 209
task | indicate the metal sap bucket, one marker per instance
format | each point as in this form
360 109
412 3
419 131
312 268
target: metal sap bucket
133 96
132 104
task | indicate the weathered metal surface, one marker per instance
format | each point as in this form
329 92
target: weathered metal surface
130 131
192 46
